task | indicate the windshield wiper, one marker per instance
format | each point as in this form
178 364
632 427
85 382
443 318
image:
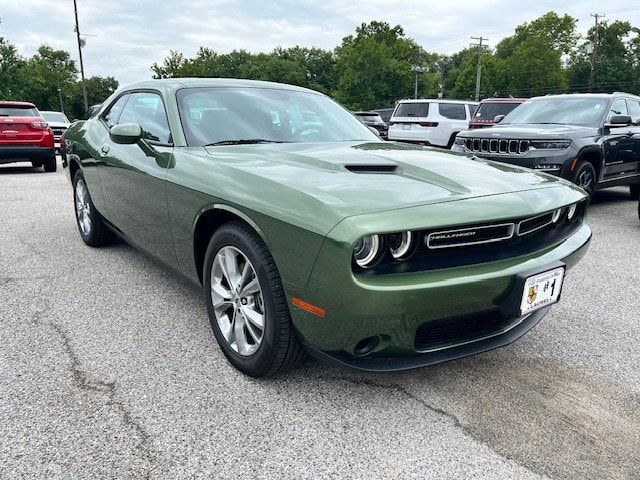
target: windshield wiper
243 141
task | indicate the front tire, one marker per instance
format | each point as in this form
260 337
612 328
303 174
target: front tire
634 190
585 177
92 228
246 303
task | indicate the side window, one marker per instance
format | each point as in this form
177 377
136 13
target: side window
147 110
111 117
619 107
454 111
634 110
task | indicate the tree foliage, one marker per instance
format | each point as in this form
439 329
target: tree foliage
371 68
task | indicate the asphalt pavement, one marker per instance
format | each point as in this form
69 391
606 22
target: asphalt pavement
109 369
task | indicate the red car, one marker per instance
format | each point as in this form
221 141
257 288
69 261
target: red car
25 136
490 108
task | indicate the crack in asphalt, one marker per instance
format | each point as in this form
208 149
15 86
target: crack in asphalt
451 416
84 381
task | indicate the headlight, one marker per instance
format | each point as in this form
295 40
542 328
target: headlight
571 215
399 244
366 250
556 215
550 144
459 141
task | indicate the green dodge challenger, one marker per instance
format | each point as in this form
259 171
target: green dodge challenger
309 233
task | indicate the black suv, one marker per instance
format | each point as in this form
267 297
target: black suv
590 139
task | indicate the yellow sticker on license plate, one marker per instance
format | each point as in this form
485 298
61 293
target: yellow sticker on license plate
541 290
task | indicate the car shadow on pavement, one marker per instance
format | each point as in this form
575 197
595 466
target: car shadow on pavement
609 195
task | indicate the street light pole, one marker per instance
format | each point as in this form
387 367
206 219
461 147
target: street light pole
417 69
60 95
80 41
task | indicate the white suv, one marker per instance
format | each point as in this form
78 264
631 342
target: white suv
434 122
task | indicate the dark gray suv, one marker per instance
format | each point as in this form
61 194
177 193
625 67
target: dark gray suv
590 139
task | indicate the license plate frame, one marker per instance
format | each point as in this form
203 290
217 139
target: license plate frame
541 290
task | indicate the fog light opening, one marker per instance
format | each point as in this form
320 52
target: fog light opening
366 345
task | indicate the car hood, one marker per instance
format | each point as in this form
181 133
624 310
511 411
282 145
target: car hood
532 132
359 178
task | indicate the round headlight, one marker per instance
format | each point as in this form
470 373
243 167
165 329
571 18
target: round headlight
366 250
399 244
572 211
556 215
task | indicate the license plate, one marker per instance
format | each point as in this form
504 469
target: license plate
541 290
406 126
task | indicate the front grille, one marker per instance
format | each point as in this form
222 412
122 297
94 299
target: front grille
461 237
462 328
536 223
496 146
58 130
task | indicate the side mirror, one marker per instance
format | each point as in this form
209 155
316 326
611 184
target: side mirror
618 121
126 133
498 118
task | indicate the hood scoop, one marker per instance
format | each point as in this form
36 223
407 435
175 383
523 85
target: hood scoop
375 169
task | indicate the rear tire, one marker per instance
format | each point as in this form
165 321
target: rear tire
50 165
585 177
634 190
93 230
258 349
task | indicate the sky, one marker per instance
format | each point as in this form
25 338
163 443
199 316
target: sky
125 37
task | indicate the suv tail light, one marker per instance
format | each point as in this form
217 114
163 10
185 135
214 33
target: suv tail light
40 125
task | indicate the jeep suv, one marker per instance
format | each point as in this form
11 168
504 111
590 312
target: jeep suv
590 139
430 122
25 136
59 123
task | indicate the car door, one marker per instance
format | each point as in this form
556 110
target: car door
633 105
133 176
619 145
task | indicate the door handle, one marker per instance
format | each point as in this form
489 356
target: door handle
105 149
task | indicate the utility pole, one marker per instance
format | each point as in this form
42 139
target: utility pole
594 52
479 67
80 44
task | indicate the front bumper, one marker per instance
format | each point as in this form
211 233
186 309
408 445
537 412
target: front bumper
392 308
555 162
26 153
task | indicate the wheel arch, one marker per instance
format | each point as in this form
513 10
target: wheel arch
595 157
210 219
74 166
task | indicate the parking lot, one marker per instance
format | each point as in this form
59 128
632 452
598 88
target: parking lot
108 368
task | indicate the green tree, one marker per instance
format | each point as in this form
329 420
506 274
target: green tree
374 66
617 60
11 71
98 89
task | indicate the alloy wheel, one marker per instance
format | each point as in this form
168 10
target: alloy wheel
585 180
237 300
83 209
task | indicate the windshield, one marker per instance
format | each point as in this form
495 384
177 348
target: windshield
18 112
55 117
215 115
486 111
412 109
566 111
